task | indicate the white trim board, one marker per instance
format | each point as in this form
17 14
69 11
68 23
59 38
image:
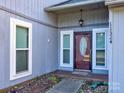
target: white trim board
13 23
94 66
62 33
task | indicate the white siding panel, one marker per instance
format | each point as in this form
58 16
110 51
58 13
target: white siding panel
115 51
121 51
117 70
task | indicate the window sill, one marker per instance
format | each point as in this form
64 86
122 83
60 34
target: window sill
100 68
20 75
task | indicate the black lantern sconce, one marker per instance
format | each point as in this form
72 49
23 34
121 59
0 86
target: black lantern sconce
81 21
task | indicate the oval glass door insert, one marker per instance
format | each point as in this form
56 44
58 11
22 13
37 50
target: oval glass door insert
83 46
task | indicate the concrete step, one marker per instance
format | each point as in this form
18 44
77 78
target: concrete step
67 86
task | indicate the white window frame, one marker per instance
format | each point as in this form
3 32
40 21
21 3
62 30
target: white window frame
95 31
62 33
13 23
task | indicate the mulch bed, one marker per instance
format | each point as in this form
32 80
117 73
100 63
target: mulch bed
37 85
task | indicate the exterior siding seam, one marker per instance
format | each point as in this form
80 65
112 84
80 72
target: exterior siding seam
26 17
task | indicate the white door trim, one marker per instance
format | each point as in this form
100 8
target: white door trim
62 33
98 30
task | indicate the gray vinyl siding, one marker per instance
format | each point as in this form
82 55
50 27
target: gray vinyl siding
49 3
97 18
1 55
44 53
116 74
31 8
90 17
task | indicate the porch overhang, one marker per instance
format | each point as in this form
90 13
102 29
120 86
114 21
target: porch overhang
113 3
72 5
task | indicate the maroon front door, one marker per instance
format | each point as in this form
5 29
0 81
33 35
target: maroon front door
82 50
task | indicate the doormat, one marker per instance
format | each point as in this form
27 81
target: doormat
80 73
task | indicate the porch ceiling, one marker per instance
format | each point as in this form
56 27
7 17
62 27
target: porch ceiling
75 4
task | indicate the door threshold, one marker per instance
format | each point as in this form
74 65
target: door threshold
81 70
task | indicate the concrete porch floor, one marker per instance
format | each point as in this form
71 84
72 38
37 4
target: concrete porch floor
79 75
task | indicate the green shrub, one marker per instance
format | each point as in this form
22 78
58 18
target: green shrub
54 79
81 91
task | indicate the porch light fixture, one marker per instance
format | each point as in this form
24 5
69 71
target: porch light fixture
81 21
